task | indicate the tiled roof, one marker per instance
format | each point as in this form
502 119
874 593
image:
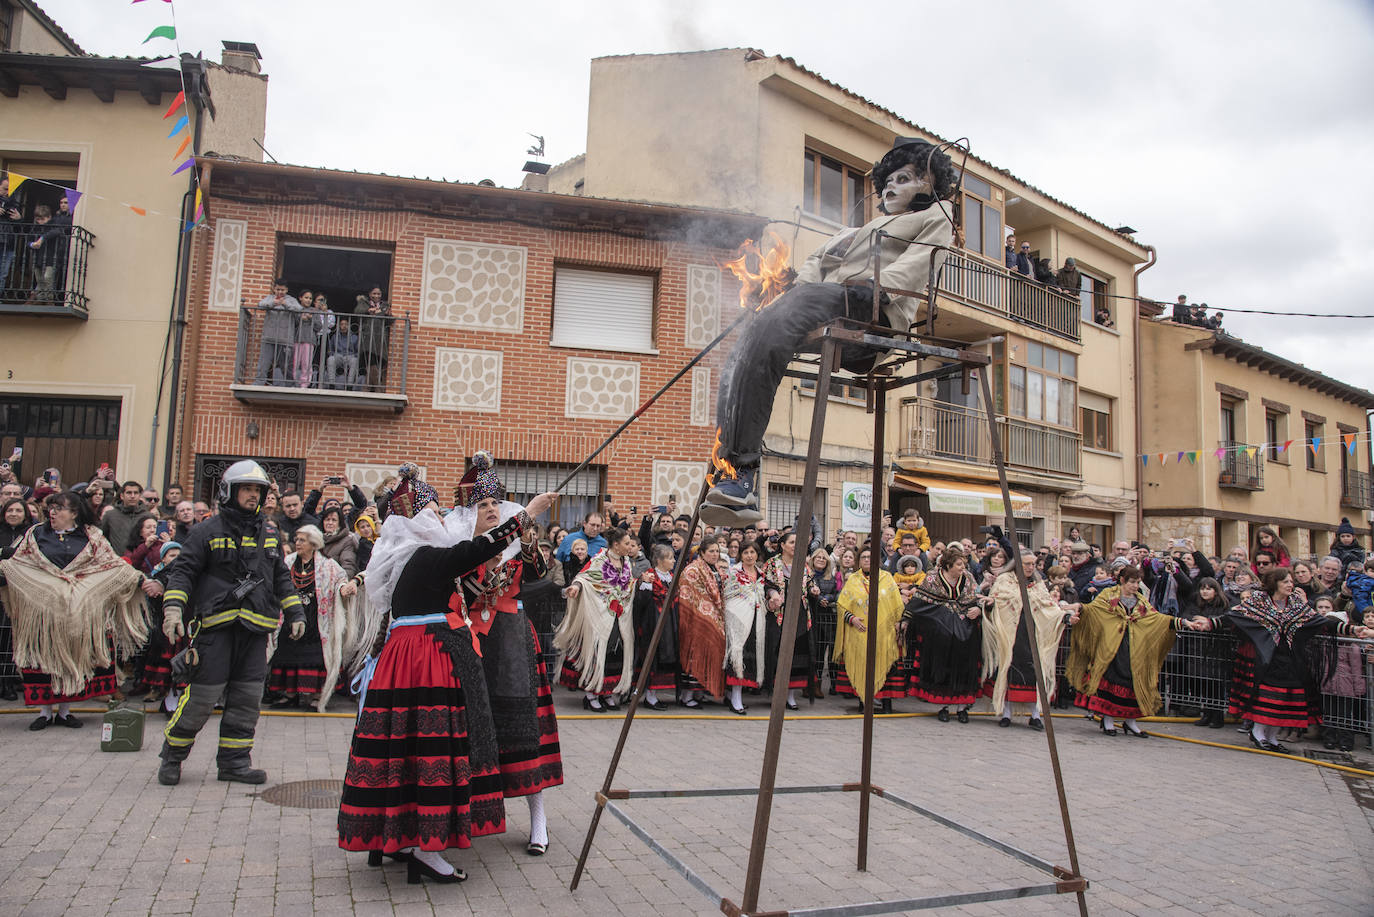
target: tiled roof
52 26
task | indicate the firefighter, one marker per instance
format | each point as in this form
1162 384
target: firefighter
230 585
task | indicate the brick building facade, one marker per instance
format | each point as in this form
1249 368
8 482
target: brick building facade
528 324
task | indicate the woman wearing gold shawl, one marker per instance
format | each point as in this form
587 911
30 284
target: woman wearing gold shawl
75 605
1007 663
851 635
1118 648
701 627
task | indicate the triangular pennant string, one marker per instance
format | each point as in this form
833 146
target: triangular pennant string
15 181
1315 444
184 166
176 103
1192 458
181 149
1220 454
141 211
1163 458
1180 458
1145 460
162 31
72 196
1349 442
180 126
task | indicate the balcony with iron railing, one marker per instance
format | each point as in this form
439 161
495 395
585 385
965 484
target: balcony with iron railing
1240 469
1357 489
936 430
295 356
1012 295
43 269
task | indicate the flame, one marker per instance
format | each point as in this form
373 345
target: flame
772 276
723 468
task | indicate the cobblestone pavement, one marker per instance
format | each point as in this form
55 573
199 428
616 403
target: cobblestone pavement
1163 827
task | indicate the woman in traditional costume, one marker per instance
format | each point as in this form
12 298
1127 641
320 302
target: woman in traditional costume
851 635
746 604
701 628
942 626
597 633
1118 649
1280 666
75 607
14 522
649 607
423 769
1008 667
777 573
517 680
309 667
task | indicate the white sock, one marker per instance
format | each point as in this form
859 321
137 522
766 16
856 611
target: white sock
684 696
651 696
434 861
46 710
736 696
1036 714
64 710
539 825
792 696
1262 732
1006 710
592 697
1108 722
1132 725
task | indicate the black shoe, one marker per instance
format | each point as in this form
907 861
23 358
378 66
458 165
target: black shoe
1329 741
655 705
8 693
593 704
417 871
535 849
610 702
1037 724
943 715
1205 720
374 857
962 716
792 706
283 703
69 721
1004 722
169 773
243 774
1218 719
1135 733
40 724
1102 724
887 705
1278 747
1348 741
690 703
741 711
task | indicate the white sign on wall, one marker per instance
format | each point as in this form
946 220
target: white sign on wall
856 507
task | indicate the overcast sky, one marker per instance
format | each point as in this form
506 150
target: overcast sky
1236 137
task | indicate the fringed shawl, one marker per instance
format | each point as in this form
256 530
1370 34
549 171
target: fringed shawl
1097 636
745 604
603 605
65 618
701 626
1294 626
340 628
999 632
851 644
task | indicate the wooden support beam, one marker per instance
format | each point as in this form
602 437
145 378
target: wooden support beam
53 85
149 90
9 86
104 89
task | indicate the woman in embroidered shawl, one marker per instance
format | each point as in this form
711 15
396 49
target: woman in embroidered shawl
701 628
777 572
310 667
650 595
75 606
746 604
597 634
1118 647
851 635
517 680
941 623
423 767
1007 665
1280 666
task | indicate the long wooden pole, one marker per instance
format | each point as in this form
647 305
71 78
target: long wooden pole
878 392
768 777
1031 631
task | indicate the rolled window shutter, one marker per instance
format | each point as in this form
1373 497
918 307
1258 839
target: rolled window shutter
603 310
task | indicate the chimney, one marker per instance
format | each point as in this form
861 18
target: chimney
241 55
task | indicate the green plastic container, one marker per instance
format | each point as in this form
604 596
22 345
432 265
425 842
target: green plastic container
122 729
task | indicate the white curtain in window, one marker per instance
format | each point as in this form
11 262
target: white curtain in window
603 310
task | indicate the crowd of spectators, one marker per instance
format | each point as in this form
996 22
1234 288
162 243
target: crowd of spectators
144 525
1186 313
1067 280
303 342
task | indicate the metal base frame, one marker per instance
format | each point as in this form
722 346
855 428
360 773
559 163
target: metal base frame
954 361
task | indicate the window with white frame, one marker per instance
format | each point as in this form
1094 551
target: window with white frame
603 310
784 505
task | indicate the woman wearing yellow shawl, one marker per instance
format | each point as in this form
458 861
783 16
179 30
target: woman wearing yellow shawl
1118 648
851 636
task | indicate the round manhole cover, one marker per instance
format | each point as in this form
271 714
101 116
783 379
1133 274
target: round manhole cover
305 794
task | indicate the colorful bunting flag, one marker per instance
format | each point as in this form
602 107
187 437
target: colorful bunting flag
16 180
1179 460
190 161
162 31
180 126
1284 447
176 103
199 208
1349 442
141 211
1251 451
1163 458
190 225
1315 444
1220 453
181 149
72 197
1192 458
1145 460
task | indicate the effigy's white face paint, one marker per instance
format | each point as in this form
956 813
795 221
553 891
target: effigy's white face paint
901 187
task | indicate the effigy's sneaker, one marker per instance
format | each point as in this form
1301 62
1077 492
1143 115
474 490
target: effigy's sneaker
729 516
738 491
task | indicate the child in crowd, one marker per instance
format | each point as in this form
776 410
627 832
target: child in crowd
908 574
1344 690
1361 584
912 524
1101 580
